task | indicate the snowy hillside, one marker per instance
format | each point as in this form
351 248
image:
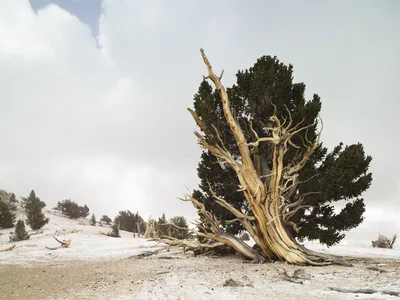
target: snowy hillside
87 242
96 267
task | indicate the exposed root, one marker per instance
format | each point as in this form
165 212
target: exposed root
245 250
321 259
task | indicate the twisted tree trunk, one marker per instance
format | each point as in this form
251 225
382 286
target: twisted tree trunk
268 195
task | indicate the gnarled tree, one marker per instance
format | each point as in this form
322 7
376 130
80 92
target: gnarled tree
339 176
269 191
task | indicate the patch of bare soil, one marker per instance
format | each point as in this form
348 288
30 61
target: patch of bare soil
175 276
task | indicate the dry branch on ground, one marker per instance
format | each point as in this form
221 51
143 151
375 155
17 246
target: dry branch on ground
63 244
8 249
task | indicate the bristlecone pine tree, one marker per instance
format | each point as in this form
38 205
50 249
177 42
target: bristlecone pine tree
72 209
33 208
93 220
106 219
325 178
114 229
179 227
7 216
267 148
176 227
131 222
20 233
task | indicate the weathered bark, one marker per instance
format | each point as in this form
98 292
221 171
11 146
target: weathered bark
266 190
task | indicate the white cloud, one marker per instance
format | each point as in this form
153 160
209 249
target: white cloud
106 125
63 108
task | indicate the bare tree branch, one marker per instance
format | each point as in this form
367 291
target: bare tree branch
228 206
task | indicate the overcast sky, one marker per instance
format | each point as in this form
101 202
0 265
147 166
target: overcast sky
93 94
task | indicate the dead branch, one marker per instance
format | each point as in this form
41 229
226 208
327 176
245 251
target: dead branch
306 156
174 225
354 291
229 207
64 244
224 156
288 208
190 244
8 249
232 122
212 221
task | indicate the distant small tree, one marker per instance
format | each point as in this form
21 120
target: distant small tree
176 232
33 208
9 199
13 199
72 209
7 217
384 242
20 233
161 228
131 222
83 211
106 219
93 220
114 229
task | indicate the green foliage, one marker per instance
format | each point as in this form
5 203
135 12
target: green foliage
7 197
33 208
13 199
114 229
20 233
164 227
106 219
340 175
72 209
161 227
93 220
181 222
7 216
129 221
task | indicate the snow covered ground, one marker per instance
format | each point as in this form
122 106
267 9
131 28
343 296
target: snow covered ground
358 250
87 242
101 267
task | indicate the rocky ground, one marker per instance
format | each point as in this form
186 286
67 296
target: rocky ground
171 275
